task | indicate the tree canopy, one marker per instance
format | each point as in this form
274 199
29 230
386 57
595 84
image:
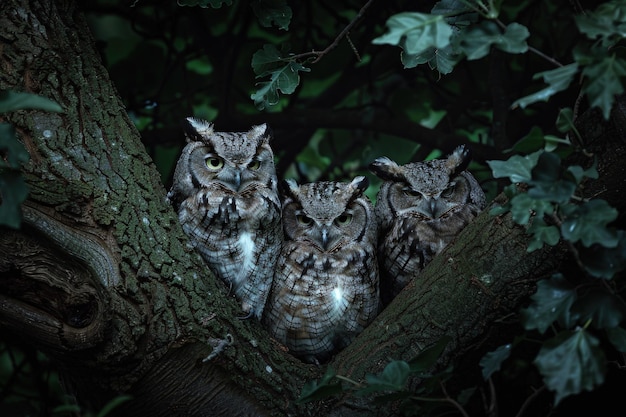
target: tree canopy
534 88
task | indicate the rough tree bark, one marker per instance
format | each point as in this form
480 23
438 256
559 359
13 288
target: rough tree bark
100 278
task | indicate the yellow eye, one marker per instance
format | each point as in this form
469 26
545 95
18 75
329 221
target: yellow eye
214 163
254 165
343 220
304 220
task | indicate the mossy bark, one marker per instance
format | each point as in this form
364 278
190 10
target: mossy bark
141 308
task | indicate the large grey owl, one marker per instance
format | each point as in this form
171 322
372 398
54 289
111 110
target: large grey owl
420 208
325 289
225 193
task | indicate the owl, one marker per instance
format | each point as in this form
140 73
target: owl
420 208
225 193
325 288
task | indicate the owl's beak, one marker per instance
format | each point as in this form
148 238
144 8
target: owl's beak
431 208
324 238
237 180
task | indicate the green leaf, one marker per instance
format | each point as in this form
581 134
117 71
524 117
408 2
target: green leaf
440 59
546 182
284 76
477 42
542 233
314 390
392 378
606 22
571 362
427 358
13 191
557 79
277 12
492 361
604 309
523 206
415 32
579 173
11 149
533 141
603 262
604 82
617 336
517 168
551 302
13 100
565 120
587 223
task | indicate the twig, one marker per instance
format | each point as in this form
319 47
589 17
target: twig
219 345
344 34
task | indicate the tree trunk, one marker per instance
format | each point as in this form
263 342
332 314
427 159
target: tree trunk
100 276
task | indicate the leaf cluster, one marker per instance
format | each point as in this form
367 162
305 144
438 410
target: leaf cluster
546 197
390 386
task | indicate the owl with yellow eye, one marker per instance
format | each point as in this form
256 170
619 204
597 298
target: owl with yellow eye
225 193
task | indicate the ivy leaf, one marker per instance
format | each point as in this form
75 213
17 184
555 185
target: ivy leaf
551 302
523 206
314 390
587 223
571 362
604 309
14 100
579 173
546 182
392 378
415 32
427 358
603 262
606 22
477 42
272 11
604 82
557 79
492 361
284 76
441 59
13 191
542 233
517 168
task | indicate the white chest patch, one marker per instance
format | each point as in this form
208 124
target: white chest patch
246 244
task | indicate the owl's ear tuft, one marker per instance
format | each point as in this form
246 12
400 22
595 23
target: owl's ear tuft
258 131
288 187
458 160
386 169
360 184
196 129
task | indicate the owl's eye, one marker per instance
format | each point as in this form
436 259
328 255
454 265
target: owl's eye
214 163
448 191
411 192
344 220
304 220
254 165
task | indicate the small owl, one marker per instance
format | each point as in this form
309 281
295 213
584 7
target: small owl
225 193
325 289
420 208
